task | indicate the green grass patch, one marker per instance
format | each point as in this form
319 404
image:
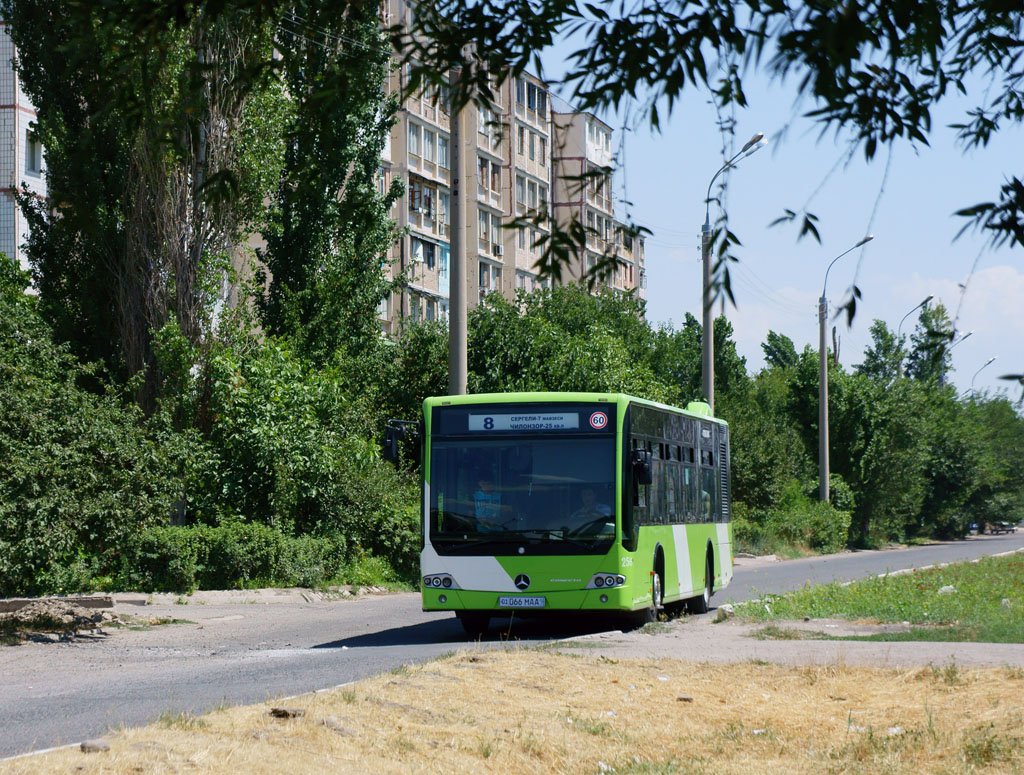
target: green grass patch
986 603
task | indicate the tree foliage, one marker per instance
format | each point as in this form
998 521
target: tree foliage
143 149
329 229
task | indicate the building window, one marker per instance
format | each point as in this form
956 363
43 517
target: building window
484 170
520 88
520 190
543 151
485 275
522 237
442 261
442 152
533 146
33 154
495 177
531 189
444 208
522 141
542 195
542 102
483 223
429 138
414 140
531 96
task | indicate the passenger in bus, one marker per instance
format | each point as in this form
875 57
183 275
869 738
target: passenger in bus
487 505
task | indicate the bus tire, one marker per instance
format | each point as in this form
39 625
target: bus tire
702 603
474 622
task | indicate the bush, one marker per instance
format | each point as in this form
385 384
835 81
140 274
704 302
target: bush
233 555
288 449
81 474
798 521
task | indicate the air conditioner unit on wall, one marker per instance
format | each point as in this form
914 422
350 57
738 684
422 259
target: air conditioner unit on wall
497 250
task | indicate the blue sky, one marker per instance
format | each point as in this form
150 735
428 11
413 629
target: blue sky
908 207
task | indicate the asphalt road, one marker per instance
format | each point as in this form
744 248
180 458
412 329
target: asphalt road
230 653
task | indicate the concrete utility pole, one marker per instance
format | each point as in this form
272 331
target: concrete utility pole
458 289
823 486
754 144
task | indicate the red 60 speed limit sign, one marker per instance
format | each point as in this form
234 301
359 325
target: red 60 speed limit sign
598 420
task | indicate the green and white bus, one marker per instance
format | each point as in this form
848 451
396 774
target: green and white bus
539 502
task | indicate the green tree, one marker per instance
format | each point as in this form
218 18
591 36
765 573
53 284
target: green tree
144 144
329 228
929 359
883 358
779 351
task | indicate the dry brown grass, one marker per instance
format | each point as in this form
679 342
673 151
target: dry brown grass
541 712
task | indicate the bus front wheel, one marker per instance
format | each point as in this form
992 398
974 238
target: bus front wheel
474 622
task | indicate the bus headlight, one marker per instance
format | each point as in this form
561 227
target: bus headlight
438 580
605 580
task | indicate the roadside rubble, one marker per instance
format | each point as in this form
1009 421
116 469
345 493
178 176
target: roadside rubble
53 619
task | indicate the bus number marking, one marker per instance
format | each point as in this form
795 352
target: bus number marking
627 562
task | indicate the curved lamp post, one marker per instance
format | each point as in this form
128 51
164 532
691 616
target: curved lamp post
900 327
989 361
899 330
958 341
823 379
752 146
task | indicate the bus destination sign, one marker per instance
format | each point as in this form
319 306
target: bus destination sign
524 422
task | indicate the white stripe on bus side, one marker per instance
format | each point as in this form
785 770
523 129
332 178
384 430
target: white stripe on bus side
683 560
724 552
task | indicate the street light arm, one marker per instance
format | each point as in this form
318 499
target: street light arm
752 146
863 241
899 328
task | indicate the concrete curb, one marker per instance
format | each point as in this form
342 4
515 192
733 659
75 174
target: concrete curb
11 604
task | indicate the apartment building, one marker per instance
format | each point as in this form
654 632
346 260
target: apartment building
583 185
516 164
21 154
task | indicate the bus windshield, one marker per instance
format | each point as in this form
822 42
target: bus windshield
523 495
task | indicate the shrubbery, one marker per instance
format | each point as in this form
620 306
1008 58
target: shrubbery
797 521
82 473
233 555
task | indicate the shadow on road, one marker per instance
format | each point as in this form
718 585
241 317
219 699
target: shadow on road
534 629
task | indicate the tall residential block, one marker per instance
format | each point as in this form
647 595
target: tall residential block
522 159
21 154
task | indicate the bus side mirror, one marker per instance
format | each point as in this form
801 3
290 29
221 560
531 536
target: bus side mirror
641 460
394 432
392 435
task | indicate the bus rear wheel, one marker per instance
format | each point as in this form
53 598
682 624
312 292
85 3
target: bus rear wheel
474 622
702 603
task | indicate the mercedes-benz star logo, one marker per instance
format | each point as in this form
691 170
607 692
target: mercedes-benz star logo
522 581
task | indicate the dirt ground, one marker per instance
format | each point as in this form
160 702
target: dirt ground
532 711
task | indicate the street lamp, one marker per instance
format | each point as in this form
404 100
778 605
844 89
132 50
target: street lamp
971 391
900 327
823 379
899 330
958 341
752 146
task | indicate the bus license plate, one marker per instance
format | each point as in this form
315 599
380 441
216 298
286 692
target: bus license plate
518 601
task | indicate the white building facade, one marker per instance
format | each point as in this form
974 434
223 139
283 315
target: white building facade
22 167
